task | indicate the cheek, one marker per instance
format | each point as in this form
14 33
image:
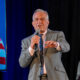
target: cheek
34 24
35 27
46 25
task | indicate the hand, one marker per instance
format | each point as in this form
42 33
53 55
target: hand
51 44
34 40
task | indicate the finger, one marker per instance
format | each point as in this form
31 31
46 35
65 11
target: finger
47 42
37 36
49 46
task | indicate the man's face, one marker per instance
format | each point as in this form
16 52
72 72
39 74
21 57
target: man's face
40 21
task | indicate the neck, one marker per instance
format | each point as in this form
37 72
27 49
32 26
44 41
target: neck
43 32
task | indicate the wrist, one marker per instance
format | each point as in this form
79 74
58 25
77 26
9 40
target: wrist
32 46
58 47
57 44
31 50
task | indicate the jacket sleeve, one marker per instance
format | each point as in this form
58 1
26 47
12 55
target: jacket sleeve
63 43
25 57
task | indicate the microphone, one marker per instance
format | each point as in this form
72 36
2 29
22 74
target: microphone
36 46
37 32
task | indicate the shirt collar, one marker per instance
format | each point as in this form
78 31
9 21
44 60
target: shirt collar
44 32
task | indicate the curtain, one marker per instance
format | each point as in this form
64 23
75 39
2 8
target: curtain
64 15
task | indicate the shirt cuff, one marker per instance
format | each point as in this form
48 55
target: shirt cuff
31 51
58 44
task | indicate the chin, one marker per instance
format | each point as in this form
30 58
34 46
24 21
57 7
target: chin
42 31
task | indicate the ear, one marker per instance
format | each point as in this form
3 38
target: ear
32 23
48 22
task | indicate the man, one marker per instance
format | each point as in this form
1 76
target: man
54 44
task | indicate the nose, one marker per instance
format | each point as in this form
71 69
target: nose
39 21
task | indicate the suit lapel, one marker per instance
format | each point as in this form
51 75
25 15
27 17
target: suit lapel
47 38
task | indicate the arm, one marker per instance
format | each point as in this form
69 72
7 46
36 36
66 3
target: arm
28 50
25 57
60 44
65 47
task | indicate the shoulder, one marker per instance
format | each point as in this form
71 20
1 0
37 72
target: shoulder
55 31
27 39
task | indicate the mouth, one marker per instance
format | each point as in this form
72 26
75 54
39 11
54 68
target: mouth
39 25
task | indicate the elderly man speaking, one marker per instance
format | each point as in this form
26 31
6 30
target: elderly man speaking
42 50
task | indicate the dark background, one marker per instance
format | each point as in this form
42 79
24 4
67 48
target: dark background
64 15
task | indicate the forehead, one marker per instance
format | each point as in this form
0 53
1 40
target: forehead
40 15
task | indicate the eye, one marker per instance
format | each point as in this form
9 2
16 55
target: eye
42 19
36 19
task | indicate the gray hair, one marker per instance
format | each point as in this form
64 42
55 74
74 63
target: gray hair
40 10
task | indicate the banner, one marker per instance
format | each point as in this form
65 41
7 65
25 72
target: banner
2 35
